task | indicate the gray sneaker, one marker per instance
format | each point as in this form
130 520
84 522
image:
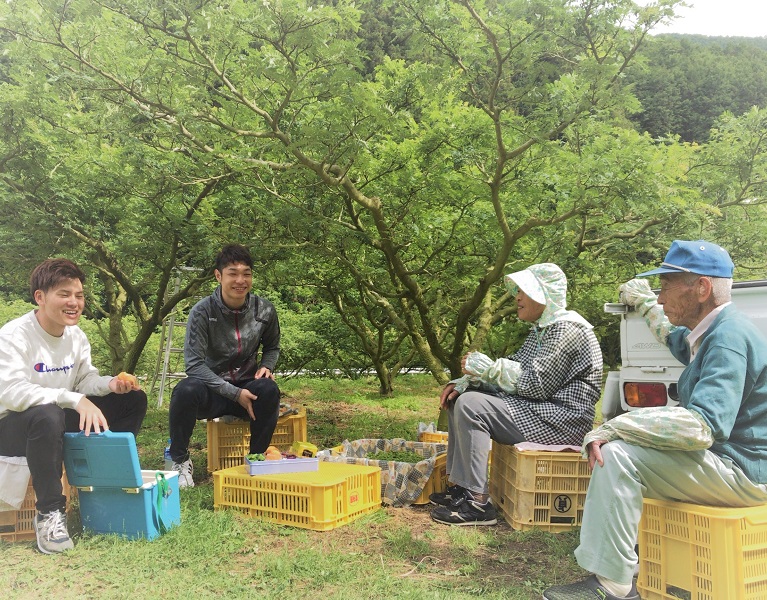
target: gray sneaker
185 470
51 531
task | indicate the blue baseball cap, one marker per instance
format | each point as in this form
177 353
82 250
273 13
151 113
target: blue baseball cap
699 257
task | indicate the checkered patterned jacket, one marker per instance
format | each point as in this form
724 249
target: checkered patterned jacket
559 386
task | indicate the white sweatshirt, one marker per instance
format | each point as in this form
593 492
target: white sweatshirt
38 368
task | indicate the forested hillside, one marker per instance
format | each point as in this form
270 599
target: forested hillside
685 82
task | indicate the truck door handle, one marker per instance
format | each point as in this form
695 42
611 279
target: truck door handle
653 369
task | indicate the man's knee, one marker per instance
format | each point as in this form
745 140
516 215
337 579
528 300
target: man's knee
267 391
617 450
138 401
189 390
617 456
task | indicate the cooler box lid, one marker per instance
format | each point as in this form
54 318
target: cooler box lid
105 459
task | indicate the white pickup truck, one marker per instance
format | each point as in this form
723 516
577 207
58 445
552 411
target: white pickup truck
648 372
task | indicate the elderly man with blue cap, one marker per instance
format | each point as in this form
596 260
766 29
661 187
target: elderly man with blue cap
709 450
544 393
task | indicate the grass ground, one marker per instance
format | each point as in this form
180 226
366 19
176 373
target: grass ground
392 553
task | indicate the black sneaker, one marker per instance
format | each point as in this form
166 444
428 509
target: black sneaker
446 498
588 589
466 511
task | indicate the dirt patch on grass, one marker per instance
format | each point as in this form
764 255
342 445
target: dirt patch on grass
407 543
494 553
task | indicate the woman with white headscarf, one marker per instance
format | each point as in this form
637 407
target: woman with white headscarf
544 393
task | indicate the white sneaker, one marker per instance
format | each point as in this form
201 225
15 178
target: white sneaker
51 531
185 471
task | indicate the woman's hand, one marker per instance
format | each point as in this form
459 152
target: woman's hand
448 397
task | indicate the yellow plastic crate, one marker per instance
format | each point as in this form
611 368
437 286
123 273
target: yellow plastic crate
539 489
19 525
332 496
710 553
433 437
228 443
437 481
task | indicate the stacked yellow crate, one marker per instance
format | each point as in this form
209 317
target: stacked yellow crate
228 443
541 489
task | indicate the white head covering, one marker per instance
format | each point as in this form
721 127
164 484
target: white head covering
546 284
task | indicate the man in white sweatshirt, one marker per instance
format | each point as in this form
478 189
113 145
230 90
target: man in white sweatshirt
48 385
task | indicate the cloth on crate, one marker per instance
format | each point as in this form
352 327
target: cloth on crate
532 447
426 427
401 482
14 481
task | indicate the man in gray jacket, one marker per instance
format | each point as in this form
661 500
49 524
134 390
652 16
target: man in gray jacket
225 374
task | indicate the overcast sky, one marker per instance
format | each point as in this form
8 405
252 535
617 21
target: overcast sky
745 18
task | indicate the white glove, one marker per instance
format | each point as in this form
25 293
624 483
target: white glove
637 293
501 374
462 383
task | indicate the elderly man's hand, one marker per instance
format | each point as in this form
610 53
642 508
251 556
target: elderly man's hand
635 292
595 453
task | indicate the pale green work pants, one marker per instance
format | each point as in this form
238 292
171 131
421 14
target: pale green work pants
630 473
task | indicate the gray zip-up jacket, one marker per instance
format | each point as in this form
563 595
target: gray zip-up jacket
221 345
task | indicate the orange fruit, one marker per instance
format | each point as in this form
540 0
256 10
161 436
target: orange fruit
130 379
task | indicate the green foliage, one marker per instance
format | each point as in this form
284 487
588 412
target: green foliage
402 543
731 174
314 340
396 456
12 309
396 416
685 83
101 355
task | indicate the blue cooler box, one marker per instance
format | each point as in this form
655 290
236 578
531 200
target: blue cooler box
115 495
